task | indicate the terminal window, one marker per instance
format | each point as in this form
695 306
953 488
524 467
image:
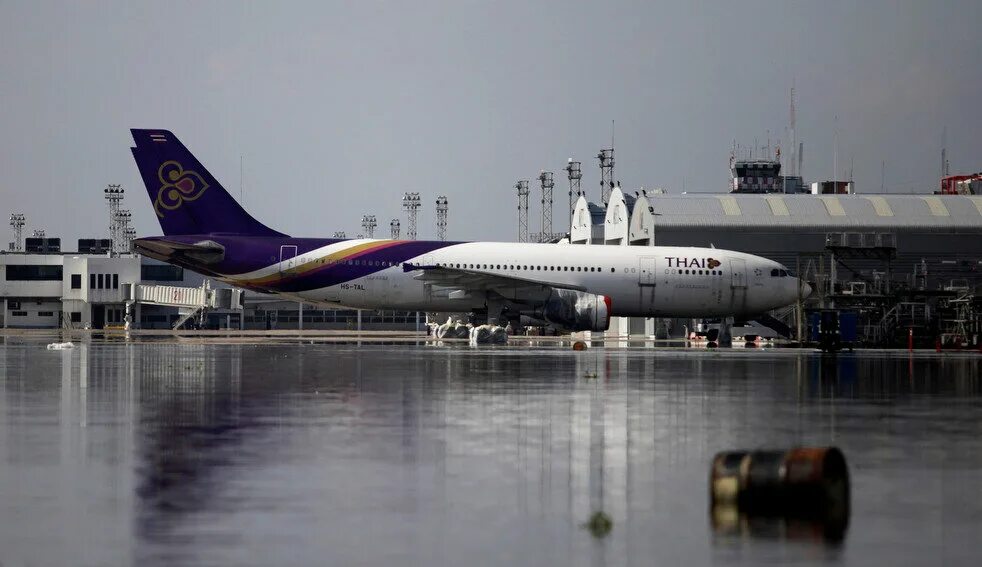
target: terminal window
76 316
17 272
161 273
115 281
99 280
91 281
76 281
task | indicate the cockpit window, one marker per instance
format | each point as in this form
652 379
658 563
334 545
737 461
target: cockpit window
775 273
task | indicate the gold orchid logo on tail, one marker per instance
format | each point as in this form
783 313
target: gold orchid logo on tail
178 185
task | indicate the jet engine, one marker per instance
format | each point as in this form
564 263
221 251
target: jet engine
576 310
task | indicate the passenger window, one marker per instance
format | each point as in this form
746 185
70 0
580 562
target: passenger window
612 270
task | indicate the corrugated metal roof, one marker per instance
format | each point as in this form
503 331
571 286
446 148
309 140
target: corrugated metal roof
881 206
978 202
827 212
778 206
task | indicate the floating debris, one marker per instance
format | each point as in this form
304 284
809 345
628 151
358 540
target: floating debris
599 525
803 486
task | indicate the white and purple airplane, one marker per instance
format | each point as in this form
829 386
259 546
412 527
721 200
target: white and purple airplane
573 287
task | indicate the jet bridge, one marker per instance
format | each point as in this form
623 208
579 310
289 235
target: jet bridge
190 301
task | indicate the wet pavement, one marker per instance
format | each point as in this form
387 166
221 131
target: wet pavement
166 453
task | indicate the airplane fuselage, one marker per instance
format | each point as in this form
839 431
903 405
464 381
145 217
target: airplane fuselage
385 274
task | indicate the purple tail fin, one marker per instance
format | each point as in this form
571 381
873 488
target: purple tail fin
186 198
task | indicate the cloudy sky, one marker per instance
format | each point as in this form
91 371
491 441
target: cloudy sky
336 109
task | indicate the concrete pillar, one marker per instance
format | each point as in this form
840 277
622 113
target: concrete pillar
300 315
4 313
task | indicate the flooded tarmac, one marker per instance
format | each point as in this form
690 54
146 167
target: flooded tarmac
167 453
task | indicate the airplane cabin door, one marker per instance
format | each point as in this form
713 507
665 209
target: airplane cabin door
738 271
288 258
647 281
738 283
647 271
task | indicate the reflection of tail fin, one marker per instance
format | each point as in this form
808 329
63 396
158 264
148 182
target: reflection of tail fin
185 197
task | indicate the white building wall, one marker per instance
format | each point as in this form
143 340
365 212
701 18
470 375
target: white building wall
617 219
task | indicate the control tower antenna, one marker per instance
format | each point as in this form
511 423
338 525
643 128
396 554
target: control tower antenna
394 229
411 204
523 210
944 152
441 217
794 138
368 225
575 175
17 222
545 180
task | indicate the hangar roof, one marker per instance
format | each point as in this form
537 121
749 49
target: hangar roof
824 212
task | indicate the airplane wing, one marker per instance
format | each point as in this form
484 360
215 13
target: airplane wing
463 281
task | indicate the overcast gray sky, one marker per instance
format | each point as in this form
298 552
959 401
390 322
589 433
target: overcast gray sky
339 108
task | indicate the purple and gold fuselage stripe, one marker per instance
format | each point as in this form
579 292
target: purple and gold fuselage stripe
337 268
321 263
